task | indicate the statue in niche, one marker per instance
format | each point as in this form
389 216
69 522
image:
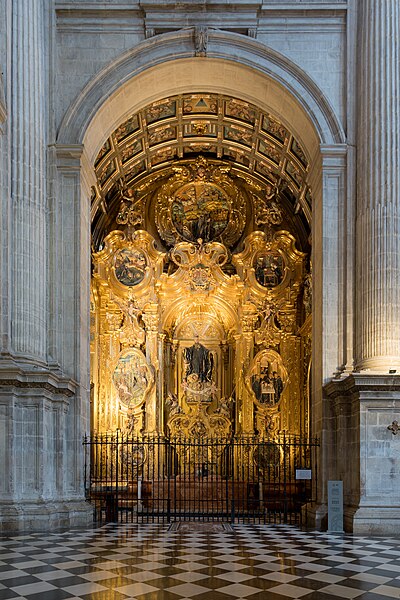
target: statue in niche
199 361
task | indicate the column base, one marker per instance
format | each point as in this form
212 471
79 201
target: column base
44 516
315 516
373 520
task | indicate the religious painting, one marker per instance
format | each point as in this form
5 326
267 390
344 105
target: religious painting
200 210
130 266
131 378
269 269
267 380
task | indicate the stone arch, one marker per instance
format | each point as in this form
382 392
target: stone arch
234 64
239 66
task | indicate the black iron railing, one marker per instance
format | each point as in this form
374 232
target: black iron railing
246 479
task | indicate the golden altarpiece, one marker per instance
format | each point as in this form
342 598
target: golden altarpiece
200 323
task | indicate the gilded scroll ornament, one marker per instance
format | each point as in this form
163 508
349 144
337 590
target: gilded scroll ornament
131 208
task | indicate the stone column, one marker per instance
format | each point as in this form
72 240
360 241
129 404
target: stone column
378 187
364 404
28 135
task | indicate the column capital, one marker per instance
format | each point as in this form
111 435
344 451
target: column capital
68 156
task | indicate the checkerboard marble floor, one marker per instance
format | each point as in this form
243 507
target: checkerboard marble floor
151 562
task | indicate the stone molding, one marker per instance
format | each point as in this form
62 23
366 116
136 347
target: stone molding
161 16
40 516
358 384
13 376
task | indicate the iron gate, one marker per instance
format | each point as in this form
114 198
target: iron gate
155 479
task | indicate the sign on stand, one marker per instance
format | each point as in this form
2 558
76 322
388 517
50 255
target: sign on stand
335 506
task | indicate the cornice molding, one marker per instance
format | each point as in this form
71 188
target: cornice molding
358 383
15 376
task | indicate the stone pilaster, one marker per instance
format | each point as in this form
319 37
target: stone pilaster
363 408
378 187
28 132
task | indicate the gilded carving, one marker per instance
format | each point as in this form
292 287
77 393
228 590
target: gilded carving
307 293
197 329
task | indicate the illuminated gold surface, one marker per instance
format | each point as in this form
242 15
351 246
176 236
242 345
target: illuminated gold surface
152 297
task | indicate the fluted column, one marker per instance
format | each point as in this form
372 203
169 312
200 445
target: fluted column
378 187
28 179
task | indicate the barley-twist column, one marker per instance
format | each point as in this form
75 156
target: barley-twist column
28 178
378 187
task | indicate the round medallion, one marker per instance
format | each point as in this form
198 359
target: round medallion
130 266
269 269
200 210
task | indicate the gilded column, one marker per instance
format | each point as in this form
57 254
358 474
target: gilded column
378 187
28 178
244 354
151 320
